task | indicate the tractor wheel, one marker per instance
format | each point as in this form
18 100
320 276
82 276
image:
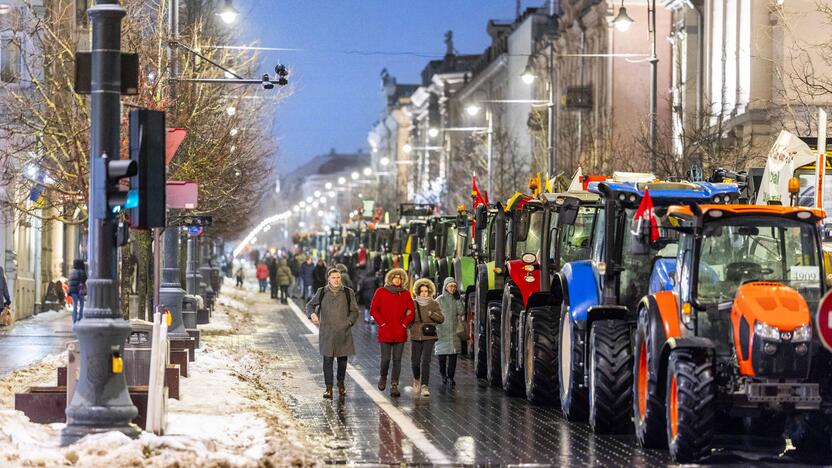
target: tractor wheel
493 373
512 375
610 377
480 343
811 432
540 354
690 402
573 395
648 408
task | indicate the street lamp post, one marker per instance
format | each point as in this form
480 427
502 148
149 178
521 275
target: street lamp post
101 402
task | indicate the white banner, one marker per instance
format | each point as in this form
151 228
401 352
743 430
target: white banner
787 154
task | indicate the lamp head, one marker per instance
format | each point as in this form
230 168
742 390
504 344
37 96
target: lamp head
623 21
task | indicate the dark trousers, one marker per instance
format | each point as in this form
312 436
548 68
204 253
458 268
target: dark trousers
274 288
342 369
421 353
392 351
239 281
284 293
447 365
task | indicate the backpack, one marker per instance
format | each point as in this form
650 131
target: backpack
319 295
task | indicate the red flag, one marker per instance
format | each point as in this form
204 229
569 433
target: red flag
645 213
479 199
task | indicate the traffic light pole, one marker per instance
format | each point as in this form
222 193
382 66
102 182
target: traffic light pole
171 293
101 402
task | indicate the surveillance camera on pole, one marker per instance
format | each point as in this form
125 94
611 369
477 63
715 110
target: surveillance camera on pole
267 83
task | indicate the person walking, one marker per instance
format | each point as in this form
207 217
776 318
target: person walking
448 344
307 274
423 334
5 312
262 274
297 285
239 275
334 310
284 279
78 288
345 275
319 275
366 289
392 309
273 287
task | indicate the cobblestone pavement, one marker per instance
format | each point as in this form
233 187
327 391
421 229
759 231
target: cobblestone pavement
471 424
34 338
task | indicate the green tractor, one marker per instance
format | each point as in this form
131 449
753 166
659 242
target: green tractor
488 245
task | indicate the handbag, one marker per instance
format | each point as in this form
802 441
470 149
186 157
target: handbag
428 329
462 329
82 289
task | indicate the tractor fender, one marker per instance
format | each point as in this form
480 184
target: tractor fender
540 299
558 289
582 290
464 271
691 342
493 295
527 282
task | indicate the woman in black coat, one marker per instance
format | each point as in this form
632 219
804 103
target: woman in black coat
319 275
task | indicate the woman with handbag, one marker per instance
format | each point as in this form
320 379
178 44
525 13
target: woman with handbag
423 334
451 331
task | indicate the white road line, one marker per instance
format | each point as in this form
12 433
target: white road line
408 427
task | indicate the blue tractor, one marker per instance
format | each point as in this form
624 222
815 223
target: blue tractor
599 297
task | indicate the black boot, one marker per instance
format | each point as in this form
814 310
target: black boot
328 392
394 390
342 390
382 382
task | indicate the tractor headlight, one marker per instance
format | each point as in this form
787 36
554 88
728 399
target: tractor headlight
766 331
802 334
528 258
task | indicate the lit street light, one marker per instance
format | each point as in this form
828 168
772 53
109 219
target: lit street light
472 110
433 132
317 193
231 110
623 21
528 75
228 14
328 186
354 175
407 148
367 171
342 181
384 161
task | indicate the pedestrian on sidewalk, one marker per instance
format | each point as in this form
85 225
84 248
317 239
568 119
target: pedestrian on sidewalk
297 285
273 287
423 334
334 310
284 279
239 276
78 288
392 309
448 343
5 312
307 273
366 289
262 274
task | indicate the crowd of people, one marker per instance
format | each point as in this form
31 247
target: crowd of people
432 321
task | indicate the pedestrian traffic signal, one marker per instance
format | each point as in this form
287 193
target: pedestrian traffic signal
147 150
119 199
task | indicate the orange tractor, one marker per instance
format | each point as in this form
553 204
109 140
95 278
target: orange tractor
733 339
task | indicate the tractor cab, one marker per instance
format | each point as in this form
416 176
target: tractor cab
750 278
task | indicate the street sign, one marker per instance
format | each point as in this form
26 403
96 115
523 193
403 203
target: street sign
823 320
181 194
195 231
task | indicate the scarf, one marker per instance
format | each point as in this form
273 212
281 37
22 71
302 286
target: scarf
393 289
423 301
334 290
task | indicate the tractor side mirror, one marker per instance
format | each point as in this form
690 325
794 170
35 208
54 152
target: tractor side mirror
568 212
481 217
462 225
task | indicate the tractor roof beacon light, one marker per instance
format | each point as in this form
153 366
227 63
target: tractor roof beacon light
622 22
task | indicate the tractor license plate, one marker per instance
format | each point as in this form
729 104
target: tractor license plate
803 395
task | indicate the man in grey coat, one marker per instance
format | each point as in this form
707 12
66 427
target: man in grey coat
334 309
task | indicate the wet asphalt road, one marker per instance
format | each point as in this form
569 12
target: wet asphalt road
33 339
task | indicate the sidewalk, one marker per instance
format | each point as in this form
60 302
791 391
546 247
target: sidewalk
226 416
33 339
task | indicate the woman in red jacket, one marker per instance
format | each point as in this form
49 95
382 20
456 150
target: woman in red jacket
263 275
392 308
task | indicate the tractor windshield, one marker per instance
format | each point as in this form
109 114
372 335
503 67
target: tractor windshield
742 250
451 237
530 242
638 267
575 238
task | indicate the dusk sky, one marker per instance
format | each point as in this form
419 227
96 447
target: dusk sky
345 45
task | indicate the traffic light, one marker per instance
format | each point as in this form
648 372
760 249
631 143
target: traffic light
117 198
147 151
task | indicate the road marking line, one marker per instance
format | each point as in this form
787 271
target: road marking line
408 427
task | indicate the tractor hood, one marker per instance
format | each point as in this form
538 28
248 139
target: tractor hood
774 304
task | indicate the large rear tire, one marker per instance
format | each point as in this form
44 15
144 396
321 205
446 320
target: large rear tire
480 343
648 408
690 402
540 356
494 373
573 394
512 375
610 377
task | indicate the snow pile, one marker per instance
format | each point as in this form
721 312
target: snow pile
43 372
